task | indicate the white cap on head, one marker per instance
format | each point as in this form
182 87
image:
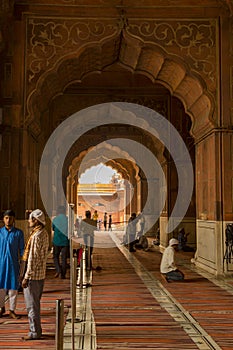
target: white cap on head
38 215
173 241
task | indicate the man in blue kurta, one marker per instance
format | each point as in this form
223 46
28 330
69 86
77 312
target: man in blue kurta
11 249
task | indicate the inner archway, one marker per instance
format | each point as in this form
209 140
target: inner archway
98 174
101 190
194 97
118 197
108 113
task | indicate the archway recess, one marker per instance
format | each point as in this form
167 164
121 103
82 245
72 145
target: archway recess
126 197
177 54
113 114
49 49
137 55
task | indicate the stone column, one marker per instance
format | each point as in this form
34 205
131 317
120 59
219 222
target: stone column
209 203
127 200
163 220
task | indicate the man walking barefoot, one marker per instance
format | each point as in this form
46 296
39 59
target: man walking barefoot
11 247
35 257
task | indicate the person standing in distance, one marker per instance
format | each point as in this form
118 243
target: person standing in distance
110 223
95 215
88 227
11 247
60 242
35 257
105 221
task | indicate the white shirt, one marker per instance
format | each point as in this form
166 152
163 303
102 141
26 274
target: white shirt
168 260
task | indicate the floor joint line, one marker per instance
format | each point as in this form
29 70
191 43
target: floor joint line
202 339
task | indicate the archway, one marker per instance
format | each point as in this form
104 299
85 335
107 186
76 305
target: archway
178 49
126 196
136 55
153 63
135 116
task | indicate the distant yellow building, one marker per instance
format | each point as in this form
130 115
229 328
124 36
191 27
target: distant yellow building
107 198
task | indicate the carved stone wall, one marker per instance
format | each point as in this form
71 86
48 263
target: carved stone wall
186 48
177 53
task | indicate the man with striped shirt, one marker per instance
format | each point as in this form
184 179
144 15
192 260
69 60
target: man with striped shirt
35 257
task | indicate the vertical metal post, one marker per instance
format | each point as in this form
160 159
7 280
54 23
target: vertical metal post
72 282
74 279
127 238
59 324
88 250
81 268
70 220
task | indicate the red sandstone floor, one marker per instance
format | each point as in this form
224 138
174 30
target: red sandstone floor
128 317
11 330
127 314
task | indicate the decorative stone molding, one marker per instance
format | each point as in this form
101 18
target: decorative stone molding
194 41
50 41
53 40
179 54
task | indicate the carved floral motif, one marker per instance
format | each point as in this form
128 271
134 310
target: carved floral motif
48 41
65 39
195 41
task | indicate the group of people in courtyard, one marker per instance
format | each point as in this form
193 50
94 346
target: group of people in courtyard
107 221
168 266
137 240
23 264
30 270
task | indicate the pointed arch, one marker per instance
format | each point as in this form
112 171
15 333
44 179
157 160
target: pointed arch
136 56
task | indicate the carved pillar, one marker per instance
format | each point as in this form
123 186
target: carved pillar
69 189
163 220
128 197
139 189
134 208
75 195
209 203
13 171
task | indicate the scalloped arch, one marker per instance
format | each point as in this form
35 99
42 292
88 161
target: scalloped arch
135 56
127 169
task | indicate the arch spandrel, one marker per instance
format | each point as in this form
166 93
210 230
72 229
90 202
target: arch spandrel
156 48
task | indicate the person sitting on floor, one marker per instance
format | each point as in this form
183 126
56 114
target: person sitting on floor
168 266
182 238
141 242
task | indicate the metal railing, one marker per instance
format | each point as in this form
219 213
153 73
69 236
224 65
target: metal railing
59 324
